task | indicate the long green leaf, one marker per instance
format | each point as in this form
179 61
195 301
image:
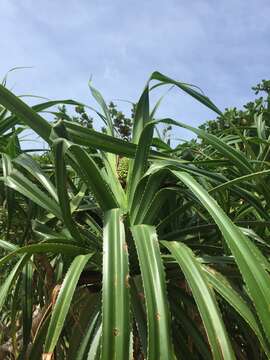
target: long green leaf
189 89
115 293
228 151
82 340
141 116
20 183
29 116
223 287
34 169
7 246
94 351
205 299
27 305
98 97
239 180
138 167
90 174
11 278
60 248
139 314
189 327
10 195
158 317
61 184
253 272
62 304
88 137
113 180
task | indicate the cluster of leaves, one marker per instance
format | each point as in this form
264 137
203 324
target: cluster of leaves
242 119
121 123
82 118
133 249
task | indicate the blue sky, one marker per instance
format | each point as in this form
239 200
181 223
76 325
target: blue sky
221 46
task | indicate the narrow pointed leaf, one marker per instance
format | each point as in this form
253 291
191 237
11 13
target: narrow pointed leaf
34 169
63 302
20 183
24 112
58 248
91 175
61 184
223 287
189 89
5 286
115 293
138 167
158 316
205 300
253 272
27 305
98 97
141 116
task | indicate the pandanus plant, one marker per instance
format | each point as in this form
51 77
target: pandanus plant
128 251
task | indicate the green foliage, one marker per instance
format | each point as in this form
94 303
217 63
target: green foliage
123 247
242 120
82 118
121 123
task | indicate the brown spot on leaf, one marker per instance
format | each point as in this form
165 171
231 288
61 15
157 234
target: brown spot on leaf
116 332
125 247
127 281
158 316
54 295
141 296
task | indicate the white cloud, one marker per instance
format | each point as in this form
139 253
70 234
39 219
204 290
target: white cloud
220 46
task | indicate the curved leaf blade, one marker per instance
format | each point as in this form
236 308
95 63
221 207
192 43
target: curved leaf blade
29 116
90 174
62 304
158 317
253 271
205 299
223 287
